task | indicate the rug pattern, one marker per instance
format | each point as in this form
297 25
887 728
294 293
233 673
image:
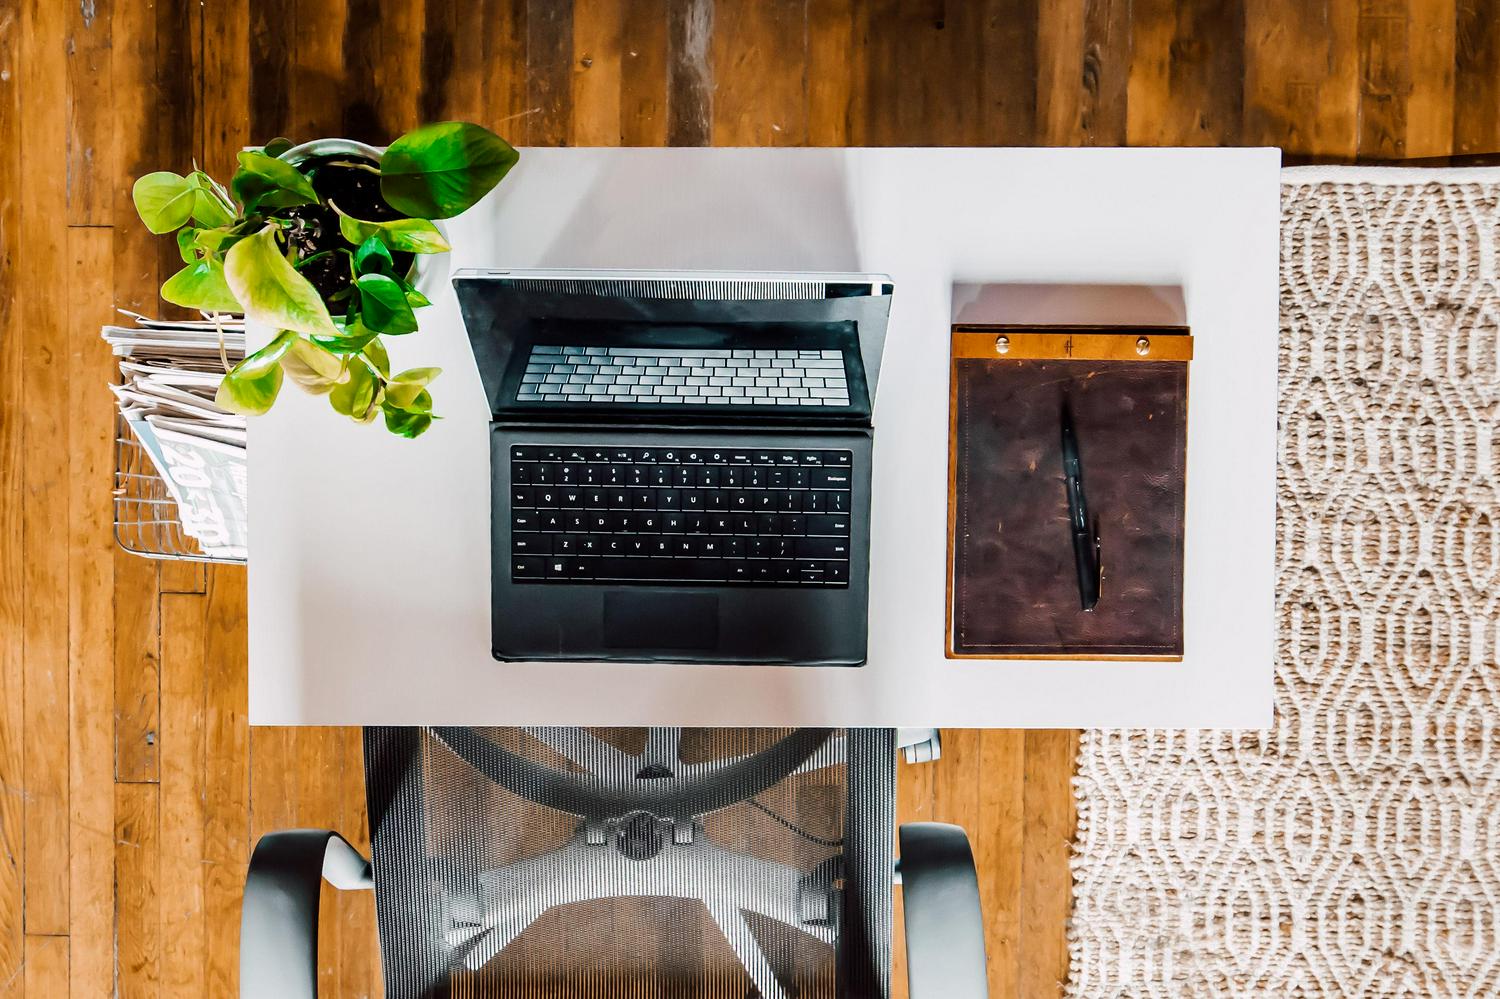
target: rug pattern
1353 849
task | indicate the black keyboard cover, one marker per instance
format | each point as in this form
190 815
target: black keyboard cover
680 515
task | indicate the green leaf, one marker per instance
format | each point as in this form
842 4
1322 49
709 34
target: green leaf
201 285
441 170
187 244
313 367
164 200
277 146
416 299
208 211
356 396
407 235
372 257
347 344
407 389
264 181
252 386
271 290
404 423
374 351
383 305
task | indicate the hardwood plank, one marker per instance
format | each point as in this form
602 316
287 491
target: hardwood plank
179 134
834 64
643 74
1432 25
504 71
138 931
549 56
90 160
271 80
997 836
597 60
43 273
924 78
183 781
318 97
1186 73
1046 879
362 54
1476 88
46 965
137 693
358 940
226 768
1302 76
398 83
135 109
1007 63
182 577
12 510
757 53
1385 80
90 454
1083 67
690 28
227 86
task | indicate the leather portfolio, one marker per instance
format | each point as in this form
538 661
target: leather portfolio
1067 492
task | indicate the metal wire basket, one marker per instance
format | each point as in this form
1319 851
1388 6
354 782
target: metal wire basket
146 519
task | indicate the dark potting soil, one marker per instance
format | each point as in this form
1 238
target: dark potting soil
356 192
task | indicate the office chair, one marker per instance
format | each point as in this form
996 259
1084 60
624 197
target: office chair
729 863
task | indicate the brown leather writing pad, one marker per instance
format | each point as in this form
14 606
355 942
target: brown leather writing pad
1015 587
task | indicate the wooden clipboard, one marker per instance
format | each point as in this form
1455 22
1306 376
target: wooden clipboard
1013 590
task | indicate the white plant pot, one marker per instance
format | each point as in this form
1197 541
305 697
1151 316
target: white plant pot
427 269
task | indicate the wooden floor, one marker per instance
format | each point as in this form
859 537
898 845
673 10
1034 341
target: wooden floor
131 788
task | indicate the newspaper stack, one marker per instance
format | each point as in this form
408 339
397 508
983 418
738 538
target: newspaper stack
169 374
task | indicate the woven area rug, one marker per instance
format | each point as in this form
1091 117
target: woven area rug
1353 850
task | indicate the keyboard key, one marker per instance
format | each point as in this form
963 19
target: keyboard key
829 478
531 544
527 567
822 548
833 525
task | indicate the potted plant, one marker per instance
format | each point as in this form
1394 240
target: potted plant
324 243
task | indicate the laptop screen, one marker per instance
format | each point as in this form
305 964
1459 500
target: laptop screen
804 346
750 368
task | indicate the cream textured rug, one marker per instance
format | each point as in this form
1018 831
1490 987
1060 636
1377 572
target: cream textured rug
1353 850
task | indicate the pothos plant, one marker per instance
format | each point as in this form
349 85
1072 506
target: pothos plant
322 251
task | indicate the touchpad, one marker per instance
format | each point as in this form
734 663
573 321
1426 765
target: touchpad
641 619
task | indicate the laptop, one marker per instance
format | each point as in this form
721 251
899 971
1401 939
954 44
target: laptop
680 462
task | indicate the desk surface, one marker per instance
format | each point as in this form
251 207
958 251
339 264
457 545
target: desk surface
369 574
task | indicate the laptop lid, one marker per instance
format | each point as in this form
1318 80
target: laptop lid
676 344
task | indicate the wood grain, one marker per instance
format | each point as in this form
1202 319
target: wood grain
182 799
43 270
138 910
91 772
116 674
12 511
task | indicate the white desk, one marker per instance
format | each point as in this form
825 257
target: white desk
369 573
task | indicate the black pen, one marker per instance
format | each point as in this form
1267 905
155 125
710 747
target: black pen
1086 550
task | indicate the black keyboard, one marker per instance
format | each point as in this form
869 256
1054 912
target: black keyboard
679 515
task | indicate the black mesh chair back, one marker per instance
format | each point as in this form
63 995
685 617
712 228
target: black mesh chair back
716 863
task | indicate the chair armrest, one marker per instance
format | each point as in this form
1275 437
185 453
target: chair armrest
279 914
944 922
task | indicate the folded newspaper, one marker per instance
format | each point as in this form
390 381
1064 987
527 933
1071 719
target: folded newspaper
169 372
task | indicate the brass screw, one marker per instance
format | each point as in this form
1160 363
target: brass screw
1143 346
1002 345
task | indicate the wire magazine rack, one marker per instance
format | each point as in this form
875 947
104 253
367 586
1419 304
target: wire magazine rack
146 518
